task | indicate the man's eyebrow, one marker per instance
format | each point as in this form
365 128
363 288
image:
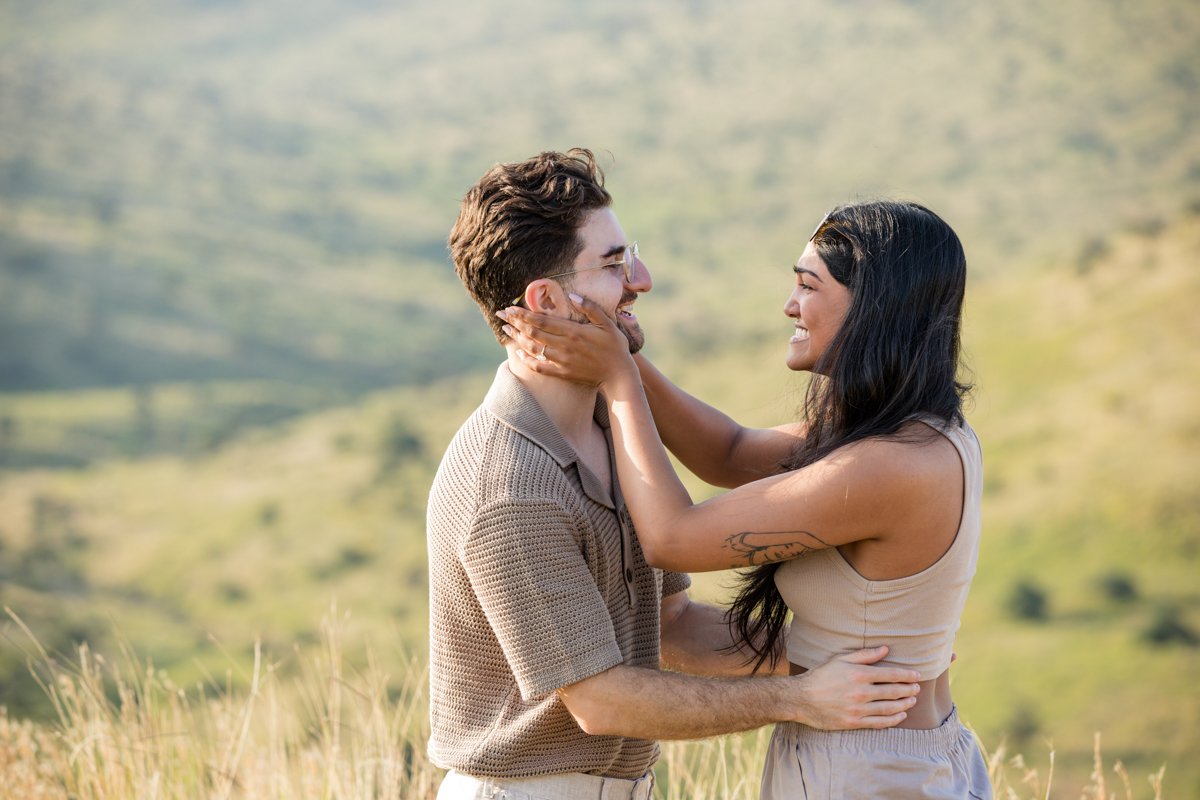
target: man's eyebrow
799 270
615 250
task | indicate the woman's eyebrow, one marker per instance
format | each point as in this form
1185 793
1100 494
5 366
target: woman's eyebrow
799 270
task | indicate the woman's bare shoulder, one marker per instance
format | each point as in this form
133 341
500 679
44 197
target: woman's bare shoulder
910 466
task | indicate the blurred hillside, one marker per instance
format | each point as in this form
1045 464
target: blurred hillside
1084 614
215 189
232 349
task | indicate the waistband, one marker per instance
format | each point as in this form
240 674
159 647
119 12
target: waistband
565 785
939 739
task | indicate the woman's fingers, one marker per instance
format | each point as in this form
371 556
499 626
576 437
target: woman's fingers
533 344
589 354
591 310
534 324
567 337
545 352
523 328
529 321
546 367
528 342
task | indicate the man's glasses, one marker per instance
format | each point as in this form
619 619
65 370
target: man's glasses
628 262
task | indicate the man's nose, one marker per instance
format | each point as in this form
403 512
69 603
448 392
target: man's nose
642 282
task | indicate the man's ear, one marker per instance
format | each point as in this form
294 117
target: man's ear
544 296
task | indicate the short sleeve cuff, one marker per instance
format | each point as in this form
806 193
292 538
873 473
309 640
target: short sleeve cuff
675 582
534 683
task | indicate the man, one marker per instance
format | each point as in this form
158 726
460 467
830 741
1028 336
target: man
545 619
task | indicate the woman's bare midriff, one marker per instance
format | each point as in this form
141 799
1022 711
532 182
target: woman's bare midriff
933 702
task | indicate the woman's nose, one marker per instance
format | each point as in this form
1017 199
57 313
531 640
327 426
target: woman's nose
791 307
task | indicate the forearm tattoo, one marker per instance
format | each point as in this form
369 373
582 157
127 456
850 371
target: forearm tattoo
766 547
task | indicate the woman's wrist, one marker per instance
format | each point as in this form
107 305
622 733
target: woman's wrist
623 384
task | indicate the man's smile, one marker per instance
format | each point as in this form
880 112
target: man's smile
624 308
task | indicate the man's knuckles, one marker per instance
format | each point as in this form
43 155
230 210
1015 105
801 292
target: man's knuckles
861 675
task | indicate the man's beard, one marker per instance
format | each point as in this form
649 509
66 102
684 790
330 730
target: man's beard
632 330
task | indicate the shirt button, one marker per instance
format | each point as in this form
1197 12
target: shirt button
629 575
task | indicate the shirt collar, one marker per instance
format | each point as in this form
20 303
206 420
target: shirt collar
514 406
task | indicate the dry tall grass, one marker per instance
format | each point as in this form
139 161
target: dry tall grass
126 731
316 728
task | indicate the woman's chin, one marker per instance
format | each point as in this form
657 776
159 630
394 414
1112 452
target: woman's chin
797 358
796 364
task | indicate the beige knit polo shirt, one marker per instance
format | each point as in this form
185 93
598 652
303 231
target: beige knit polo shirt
536 581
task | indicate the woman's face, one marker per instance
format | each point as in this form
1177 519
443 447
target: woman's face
818 305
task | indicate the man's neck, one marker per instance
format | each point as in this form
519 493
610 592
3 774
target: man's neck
570 406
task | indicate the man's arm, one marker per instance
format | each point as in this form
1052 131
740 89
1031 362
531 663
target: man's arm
696 640
842 693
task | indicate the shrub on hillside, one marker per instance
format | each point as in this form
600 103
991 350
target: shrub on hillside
1028 601
399 442
1119 586
1169 627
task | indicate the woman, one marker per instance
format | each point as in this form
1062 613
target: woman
863 520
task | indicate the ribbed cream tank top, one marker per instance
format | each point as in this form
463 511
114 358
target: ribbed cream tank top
838 611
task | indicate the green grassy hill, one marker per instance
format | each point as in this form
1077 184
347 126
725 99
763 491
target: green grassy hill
187 556
236 190
1089 387
1089 437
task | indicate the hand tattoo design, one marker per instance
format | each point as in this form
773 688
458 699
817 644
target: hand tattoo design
757 548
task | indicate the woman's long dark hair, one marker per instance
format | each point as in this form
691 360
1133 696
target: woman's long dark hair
896 355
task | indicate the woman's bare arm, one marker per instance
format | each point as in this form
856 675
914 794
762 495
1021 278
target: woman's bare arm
848 497
714 447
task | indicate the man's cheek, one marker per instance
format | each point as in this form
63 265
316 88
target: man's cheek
634 334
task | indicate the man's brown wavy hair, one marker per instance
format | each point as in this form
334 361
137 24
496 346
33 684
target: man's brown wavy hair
520 222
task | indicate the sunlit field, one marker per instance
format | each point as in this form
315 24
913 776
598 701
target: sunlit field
311 725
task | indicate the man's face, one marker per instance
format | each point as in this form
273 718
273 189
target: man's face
603 243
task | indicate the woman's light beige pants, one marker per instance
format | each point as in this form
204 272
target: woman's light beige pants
896 763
